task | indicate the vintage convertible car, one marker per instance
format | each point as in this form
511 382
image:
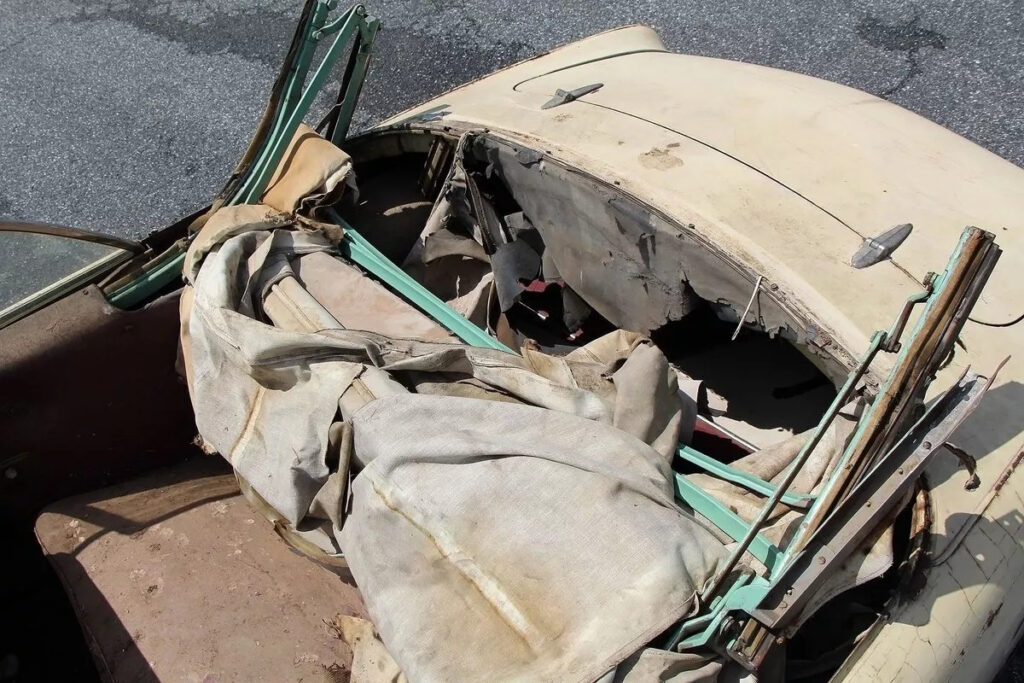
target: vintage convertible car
615 365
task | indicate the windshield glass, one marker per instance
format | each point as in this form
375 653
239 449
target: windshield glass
32 264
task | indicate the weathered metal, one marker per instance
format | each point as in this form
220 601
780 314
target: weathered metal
840 400
725 519
861 512
954 292
352 82
298 97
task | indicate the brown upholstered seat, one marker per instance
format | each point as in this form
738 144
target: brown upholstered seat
174 578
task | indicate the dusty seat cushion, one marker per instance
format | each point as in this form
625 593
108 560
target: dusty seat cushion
173 577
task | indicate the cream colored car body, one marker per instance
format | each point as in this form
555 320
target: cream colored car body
788 174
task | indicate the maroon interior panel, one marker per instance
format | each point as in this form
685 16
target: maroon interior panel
88 395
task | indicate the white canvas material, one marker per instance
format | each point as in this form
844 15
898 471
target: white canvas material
515 522
497 541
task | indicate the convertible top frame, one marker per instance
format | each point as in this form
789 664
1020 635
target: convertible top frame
836 522
290 101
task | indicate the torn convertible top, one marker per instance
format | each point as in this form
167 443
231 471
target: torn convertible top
483 520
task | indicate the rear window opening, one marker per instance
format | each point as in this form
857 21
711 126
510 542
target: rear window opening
759 388
629 266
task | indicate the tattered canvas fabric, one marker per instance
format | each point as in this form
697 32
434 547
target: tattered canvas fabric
496 541
506 517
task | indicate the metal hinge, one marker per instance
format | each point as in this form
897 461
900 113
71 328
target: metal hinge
565 96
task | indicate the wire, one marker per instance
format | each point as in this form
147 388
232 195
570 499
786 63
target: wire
753 295
1006 324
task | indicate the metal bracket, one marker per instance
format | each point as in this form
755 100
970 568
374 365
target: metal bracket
865 481
791 472
566 96
785 605
753 645
892 338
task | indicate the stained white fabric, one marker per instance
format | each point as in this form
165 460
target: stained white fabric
496 541
265 396
532 537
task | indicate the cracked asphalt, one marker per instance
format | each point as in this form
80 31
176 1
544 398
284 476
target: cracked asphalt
123 116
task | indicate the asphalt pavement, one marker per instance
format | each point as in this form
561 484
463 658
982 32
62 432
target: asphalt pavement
123 116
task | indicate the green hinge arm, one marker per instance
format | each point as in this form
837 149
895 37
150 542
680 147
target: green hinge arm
155 277
745 593
826 497
295 103
740 478
354 80
707 622
794 468
290 116
725 519
360 251
291 95
701 630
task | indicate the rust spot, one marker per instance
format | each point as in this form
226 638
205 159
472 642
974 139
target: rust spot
660 159
337 673
911 570
1005 476
991 616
